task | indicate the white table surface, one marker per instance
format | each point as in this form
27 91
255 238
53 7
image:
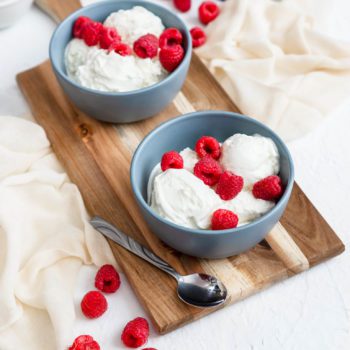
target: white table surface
308 312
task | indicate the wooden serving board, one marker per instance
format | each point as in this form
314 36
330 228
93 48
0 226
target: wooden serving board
97 158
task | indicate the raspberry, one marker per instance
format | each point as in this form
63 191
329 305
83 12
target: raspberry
171 159
146 46
135 333
107 279
208 11
170 57
269 188
182 5
229 185
79 25
170 37
208 170
198 36
91 33
108 37
208 146
84 342
223 219
120 48
94 304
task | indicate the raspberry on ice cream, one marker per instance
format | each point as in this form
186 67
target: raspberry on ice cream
79 26
84 342
91 33
120 48
108 37
198 36
94 304
171 159
104 60
208 170
146 46
135 333
107 279
269 188
171 56
208 11
184 196
229 185
170 37
208 146
223 219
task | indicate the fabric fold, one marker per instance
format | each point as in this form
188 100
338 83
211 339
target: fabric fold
45 237
275 63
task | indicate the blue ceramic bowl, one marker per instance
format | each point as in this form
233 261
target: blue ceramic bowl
121 107
184 132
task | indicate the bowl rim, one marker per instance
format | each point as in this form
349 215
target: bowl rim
66 78
195 115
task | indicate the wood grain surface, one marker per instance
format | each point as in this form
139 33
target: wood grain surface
97 157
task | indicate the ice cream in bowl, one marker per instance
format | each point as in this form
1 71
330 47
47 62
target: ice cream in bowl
212 184
121 60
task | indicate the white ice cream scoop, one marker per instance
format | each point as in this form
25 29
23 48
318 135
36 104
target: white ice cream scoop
183 198
252 157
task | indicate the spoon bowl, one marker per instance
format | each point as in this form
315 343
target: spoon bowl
201 290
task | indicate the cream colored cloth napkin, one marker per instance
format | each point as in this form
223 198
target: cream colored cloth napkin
45 237
272 60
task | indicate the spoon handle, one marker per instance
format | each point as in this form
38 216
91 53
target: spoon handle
131 245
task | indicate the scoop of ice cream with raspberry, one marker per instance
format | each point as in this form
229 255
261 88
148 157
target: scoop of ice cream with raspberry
252 157
124 53
134 23
182 198
246 184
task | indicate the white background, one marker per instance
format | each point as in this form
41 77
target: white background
310 311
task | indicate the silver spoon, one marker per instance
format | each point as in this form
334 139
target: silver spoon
198 289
